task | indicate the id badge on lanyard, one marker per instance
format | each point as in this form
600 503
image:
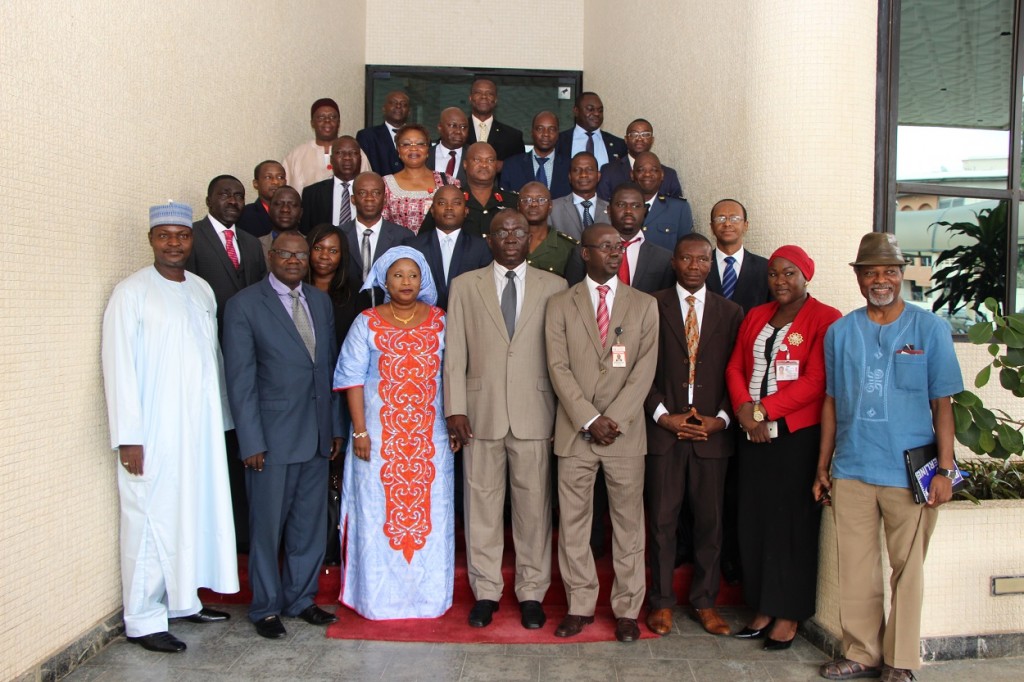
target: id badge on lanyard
788 369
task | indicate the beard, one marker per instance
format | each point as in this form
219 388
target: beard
881 298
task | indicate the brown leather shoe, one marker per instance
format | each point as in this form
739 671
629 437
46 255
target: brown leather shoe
572 625
626 630
659 621
710 620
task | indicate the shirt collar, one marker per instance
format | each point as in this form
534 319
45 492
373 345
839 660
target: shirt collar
701 294
577 199
282 289
218 225
520 269
613 283
453 235
477 122
375 227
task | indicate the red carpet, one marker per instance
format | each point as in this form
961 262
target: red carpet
452 627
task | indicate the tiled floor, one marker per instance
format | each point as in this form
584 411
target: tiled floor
233 651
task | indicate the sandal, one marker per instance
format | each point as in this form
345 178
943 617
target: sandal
845 669
891 674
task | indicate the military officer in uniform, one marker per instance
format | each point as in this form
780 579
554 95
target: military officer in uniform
549 248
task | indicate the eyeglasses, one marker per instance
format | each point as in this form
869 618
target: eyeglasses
723 219
534 201
407 144
518 233
646 135
607 247
288 255
324 118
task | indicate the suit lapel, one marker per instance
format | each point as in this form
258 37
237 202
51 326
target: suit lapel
353 248
643 258
277 311
488 294
458 252
589 316
531 300
672 312
218 248
709 322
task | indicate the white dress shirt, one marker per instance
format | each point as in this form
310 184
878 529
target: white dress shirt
336 202
609 301
577 201
219 227
632 254
500 282
476 127
447 243
444 155
720 262
374 235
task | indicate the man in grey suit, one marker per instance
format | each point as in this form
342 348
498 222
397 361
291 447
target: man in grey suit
279 350
573 213
601 338
499 405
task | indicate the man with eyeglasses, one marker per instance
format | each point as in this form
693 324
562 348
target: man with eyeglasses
446 154
549 249
378 142
587 136
311 161
601 338
639 139
499 405
330 200
582 208
541 164
285 214
739 275
668 218
279 347
483 127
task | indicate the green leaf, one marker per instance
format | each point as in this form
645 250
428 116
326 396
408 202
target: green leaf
1015 321
983 376
1009 379
993 349
984 418
967 399
970 437
961 417
1011 439
1014 357
991 304
987 442
980 332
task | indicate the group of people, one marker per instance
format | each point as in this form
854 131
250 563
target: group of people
391 324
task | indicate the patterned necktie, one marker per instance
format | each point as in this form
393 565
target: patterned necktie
365 253
302 322
588 219
729 278
692 337
590 142
482 137
345 210
542 175
624 265
229 245
508 303
602 312
450 170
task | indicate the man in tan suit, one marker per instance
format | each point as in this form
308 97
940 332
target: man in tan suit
602 340
499 404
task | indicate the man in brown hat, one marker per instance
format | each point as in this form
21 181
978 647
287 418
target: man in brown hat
891 370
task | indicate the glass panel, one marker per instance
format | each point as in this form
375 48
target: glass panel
959 157
1020 266
956 251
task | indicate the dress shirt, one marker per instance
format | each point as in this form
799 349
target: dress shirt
393 130
284 295
577 201
548 167
476 127
500 282
700 297
447 244
609 301
443 155
219 227
579 144
720 262
336 202
632 254
360 228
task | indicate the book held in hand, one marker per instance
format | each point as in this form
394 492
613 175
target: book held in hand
922 463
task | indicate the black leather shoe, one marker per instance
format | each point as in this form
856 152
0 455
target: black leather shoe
480 614
750 633
271 628
572 625
777 645
314 615
164 642
626 630
533 616
206 615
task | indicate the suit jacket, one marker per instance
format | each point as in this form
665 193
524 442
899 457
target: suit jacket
668 219
460 171
581 371
619 171
379 147
653 270
506 140
470 253
209 259
752 284
518 170
391 234
478 216
616 146
567 220
499 384
318 205
719 326
272 379
254 219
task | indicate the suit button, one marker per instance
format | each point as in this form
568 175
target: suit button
603 370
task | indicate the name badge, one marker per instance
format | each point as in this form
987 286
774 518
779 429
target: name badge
787 370
618 355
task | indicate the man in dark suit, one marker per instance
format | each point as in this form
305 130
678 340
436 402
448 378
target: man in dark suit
484 198
279 347
483 127
267 177
639 139
368 234
445 155
330 200
228 270
587 136
688 437
449 249
378 142
543 164
750 271
581 208
668 218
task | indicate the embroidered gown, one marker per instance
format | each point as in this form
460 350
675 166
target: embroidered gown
408 207
397 515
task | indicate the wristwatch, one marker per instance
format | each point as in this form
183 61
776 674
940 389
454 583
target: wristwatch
948 473
758 412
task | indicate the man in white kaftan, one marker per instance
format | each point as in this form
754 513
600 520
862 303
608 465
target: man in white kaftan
168 411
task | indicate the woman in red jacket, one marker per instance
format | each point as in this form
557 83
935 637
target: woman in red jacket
776 380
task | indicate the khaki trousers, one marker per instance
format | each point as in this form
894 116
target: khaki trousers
868 637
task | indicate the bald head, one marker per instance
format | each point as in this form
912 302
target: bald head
453 127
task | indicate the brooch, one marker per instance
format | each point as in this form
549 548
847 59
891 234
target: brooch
795 339
498 197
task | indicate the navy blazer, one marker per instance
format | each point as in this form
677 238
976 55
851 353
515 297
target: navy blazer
318 205
254 219
460 171
751 286
653 271
518 170
280 397
380 149
506 140
616 145
619 171
471 253
667 220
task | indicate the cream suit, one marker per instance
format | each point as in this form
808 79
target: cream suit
502 386
587 384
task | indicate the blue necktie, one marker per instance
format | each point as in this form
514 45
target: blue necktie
729 278
542 175
588 219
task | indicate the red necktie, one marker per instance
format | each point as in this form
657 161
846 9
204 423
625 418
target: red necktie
450 170
229 244
624 265
602 312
